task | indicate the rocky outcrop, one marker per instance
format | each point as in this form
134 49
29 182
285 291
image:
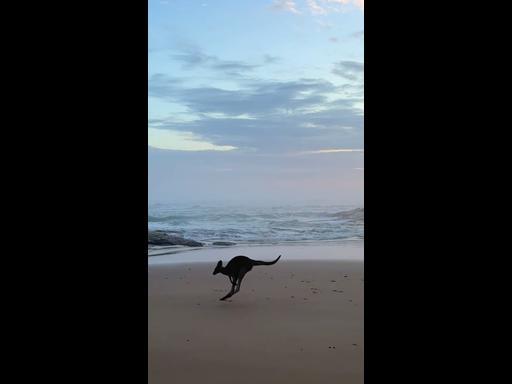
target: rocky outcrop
164 238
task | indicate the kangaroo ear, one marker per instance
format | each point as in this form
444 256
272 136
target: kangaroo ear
219 264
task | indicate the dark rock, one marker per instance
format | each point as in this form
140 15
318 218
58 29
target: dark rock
164 238
225 243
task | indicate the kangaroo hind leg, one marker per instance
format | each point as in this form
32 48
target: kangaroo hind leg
239 281
230 293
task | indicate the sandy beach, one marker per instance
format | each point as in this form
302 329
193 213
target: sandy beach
299 321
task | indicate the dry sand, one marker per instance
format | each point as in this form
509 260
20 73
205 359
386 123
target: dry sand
293 322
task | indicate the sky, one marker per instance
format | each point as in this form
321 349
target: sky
256 101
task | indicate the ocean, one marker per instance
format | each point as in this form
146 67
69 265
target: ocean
244 225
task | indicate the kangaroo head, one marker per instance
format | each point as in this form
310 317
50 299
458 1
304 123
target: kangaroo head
218 268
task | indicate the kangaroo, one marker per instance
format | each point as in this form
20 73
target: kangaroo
236 269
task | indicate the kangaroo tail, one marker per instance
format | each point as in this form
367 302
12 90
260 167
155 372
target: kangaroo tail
257 262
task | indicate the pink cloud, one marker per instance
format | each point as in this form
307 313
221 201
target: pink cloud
335 5
285 5
315 8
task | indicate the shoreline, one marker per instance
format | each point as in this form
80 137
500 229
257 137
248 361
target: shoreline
346 250
154 250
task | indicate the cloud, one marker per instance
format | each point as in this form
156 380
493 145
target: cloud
193 57
275 134
269 59
270 117
256 98
255 124
358 34
233 67
350 70
333 39
332 150
357 3
285 5
184 141
315 8
323 7
318 7
265 116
